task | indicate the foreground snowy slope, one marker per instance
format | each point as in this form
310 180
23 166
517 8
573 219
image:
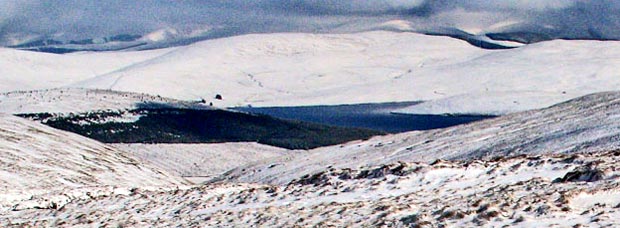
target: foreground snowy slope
542 191
586 124
36 157
567 178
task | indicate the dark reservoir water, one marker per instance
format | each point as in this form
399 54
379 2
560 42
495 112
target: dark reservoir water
375 116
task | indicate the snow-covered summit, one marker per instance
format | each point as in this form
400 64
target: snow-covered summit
287 69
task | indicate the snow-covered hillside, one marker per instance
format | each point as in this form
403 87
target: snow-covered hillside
75 100
488 103
37 157
586 124
568 177
25 70
552 191
304 69
198 161
289 69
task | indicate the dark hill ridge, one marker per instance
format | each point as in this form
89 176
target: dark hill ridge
133 42
174 125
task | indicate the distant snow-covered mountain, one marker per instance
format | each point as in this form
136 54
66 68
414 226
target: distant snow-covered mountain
103 26
166 38
289 69
158 39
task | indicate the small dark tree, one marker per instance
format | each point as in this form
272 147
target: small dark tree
219 97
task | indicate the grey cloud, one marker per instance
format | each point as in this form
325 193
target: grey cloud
74 19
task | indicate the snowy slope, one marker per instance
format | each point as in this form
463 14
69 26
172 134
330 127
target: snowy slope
488 102
551 191
305 69
360 184
201 160
587 124
288 68
36 157
25 70
302 69
72 100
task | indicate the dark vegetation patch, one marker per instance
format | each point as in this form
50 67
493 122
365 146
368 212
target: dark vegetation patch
173 125
582 174
324 178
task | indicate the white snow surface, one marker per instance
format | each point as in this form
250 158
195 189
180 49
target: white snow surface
26 70
487 103
287 69
309 69
567 178
75 100
37 157
201 160
585 124
521 191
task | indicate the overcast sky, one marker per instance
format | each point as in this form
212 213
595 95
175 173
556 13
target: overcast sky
75 19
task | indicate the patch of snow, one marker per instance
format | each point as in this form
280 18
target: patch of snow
587 200
160 35
126 117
